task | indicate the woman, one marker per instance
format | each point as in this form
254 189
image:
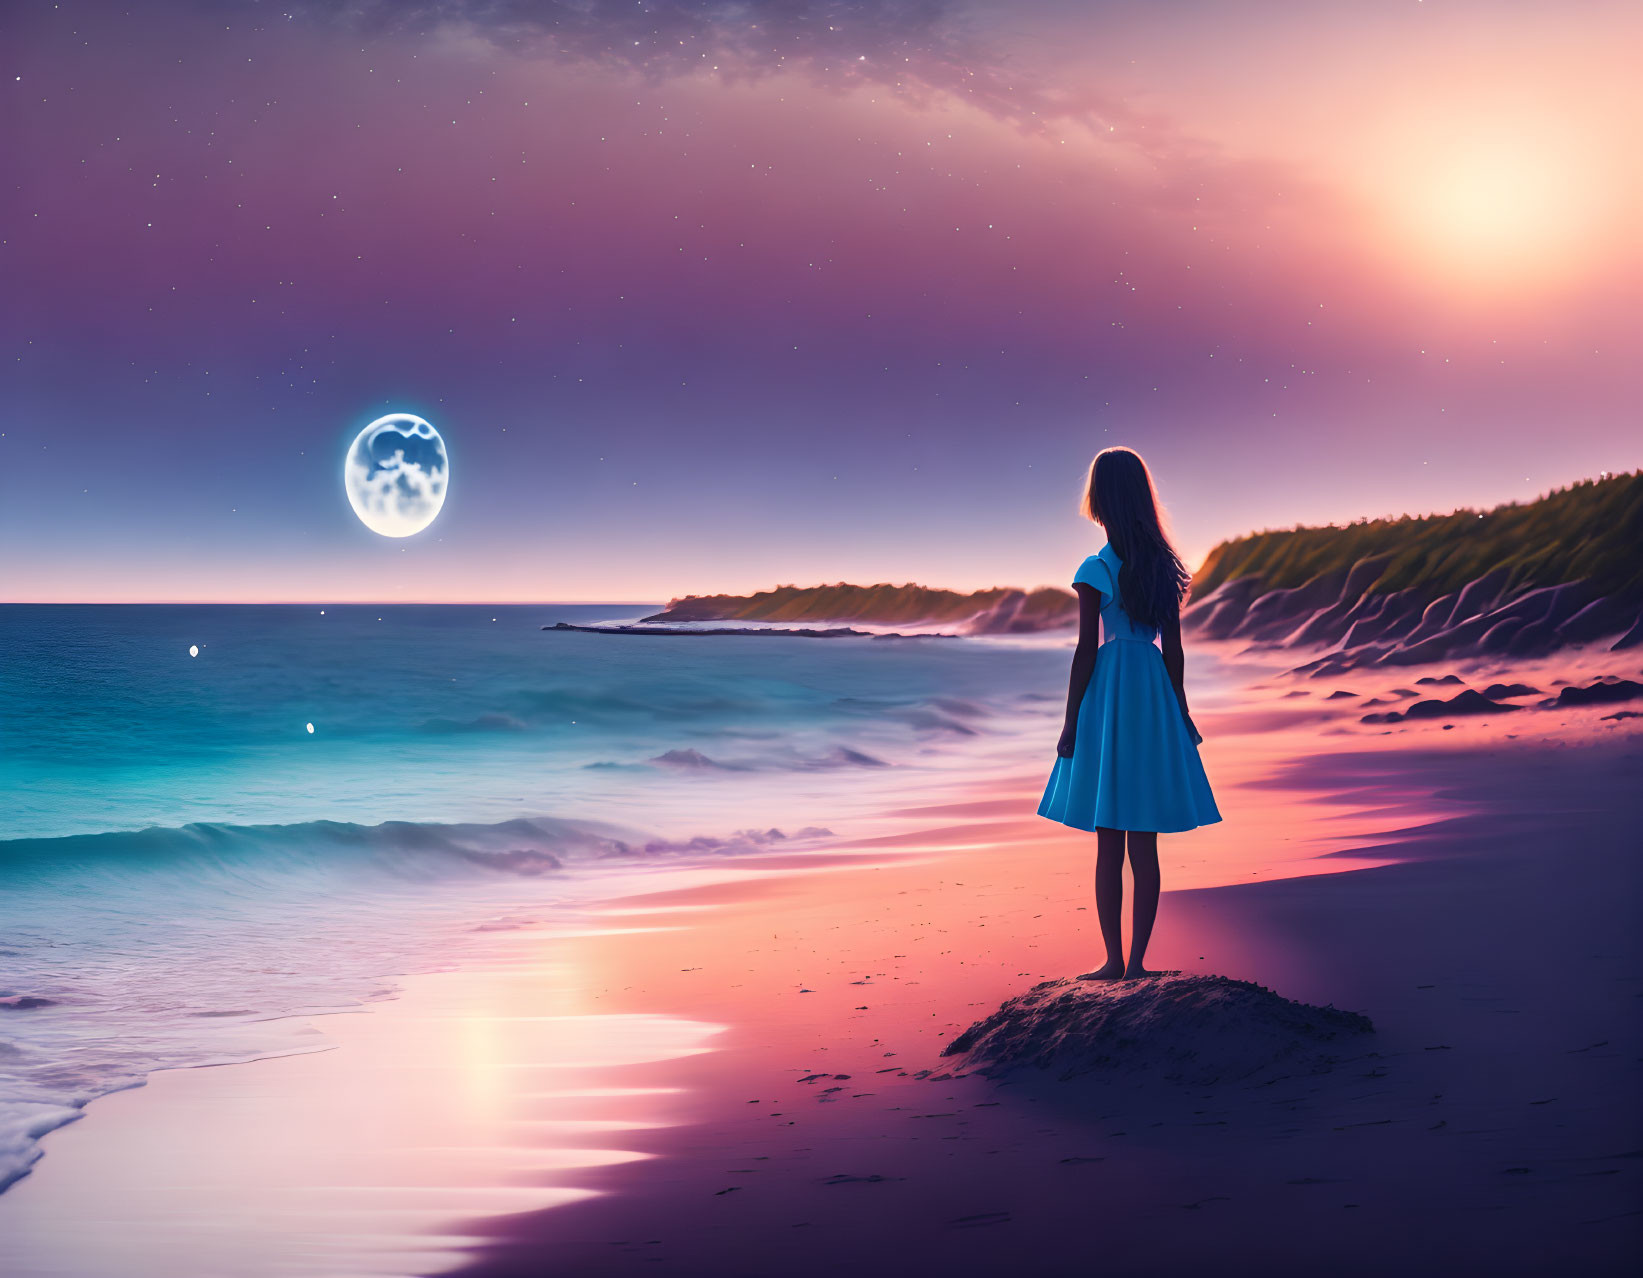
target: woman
1127 765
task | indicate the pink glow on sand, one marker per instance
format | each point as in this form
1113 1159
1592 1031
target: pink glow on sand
477 1092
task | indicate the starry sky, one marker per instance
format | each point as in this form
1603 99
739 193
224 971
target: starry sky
715 295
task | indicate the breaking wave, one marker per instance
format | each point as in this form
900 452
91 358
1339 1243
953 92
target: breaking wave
126 952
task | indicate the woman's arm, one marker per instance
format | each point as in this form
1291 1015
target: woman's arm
1175 665
1089 640
1175 659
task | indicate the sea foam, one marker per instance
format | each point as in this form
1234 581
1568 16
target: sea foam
125 953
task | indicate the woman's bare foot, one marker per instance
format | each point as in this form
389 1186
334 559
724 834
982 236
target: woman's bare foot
1111 970
1135 972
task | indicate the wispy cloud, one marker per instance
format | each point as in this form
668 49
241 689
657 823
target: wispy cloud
918 50
915 48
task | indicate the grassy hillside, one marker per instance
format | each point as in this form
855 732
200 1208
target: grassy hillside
1591 530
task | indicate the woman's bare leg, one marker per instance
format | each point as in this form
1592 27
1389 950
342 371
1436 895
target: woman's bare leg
1144 866
1109 901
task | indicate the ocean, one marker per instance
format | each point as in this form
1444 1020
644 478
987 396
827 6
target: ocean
214 818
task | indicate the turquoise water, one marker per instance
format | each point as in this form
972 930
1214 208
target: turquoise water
182 861
440 713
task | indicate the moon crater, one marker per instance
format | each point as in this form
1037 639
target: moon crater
396 475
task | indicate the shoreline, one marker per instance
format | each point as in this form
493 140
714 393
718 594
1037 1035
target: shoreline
878 953
514 1082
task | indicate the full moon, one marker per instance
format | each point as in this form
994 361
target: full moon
396 475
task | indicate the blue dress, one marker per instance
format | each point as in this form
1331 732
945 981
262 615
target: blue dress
1135 765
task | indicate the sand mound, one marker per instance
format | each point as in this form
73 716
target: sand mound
1189 1029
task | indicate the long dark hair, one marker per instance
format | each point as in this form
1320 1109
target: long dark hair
1120 497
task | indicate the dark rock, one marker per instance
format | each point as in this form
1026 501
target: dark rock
1193 1030
1601 693
1468 702
1498 691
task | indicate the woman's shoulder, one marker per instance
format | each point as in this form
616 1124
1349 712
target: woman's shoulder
1098 571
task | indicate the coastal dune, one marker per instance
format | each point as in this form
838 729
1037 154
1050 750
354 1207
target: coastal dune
1517 581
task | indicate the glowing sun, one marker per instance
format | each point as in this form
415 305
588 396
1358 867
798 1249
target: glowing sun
1499 208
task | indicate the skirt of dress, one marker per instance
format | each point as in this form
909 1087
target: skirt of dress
1134 765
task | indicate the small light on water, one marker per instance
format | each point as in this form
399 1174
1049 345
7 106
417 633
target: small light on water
310 728
322 612
193 649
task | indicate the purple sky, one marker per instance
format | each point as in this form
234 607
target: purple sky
712 296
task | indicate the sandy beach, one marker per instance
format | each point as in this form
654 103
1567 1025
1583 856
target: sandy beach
1497 1108
739 1071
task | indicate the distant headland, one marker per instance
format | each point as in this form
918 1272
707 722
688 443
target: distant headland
999 611
1519 580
